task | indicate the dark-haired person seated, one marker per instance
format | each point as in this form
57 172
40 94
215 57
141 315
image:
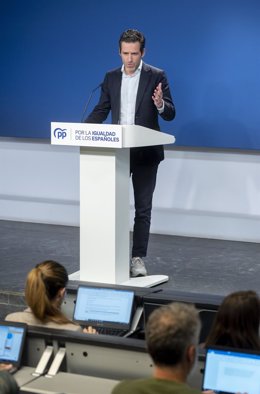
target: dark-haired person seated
44 293
8 384
237 321
172 335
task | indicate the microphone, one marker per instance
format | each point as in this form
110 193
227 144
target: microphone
89 99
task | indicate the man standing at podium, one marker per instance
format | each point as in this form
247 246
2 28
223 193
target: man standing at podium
137 93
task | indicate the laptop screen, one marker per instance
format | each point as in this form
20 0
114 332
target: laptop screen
232 370
12 337
99 306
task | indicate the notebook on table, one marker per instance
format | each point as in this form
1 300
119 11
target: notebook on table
12 339
108 310
232 370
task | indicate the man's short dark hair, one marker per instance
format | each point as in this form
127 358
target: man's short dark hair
132 35
170 330
8 384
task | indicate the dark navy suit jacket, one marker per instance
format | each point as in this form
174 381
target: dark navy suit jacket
146 113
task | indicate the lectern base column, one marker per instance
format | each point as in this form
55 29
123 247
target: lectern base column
104 215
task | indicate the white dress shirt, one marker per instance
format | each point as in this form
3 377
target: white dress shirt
129 89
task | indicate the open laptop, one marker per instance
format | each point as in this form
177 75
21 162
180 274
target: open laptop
230 370
12 339
108 310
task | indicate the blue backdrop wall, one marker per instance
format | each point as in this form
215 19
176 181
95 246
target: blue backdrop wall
54 52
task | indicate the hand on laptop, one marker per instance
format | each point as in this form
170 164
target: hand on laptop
5 367
90 330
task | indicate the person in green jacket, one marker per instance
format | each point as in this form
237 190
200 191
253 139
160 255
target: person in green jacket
172 335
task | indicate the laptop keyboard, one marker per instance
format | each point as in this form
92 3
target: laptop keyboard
111 331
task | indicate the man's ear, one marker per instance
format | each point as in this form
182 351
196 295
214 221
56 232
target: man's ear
143 53
191 354
61 292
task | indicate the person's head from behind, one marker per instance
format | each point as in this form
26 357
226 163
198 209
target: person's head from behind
237 321
45 289
8 384
172 335
131 49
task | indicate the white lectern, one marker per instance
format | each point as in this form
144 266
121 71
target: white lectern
104 197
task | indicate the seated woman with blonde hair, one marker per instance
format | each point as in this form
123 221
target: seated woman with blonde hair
44 294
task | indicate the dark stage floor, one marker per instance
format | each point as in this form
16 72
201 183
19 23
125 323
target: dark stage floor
193 264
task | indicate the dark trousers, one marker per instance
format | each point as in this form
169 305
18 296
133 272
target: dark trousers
144 181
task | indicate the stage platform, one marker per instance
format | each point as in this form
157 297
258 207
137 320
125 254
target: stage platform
196 265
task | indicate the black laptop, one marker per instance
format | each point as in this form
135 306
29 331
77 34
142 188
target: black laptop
108 310
230 370
12 339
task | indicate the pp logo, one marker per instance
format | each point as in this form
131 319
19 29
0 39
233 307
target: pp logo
60 133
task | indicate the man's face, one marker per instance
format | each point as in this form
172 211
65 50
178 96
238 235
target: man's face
131 56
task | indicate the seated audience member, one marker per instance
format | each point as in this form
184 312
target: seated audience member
8 384
172 335
237 322
44 293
